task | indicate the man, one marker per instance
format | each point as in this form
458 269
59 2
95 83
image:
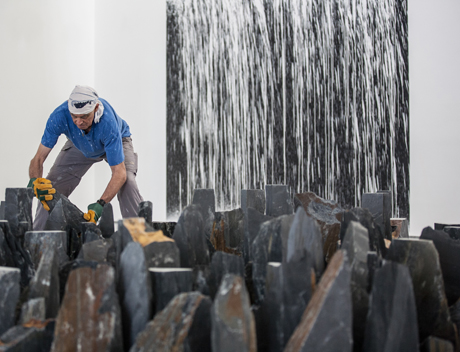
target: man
95 132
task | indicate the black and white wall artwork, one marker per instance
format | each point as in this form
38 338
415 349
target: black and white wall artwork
313 94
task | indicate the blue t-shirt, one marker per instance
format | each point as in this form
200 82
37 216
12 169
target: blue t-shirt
103 138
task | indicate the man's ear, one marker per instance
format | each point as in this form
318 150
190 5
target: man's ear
97 107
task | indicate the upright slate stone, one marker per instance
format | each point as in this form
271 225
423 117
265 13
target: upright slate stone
2 210
356 245
452 231
106 222
232 221
18 207
327 214
32 337
288 291
184 325
305 237
99 251
401 226
233 326
89 318
135 292
253 198
146 211
206 199
167 283
392 318
66 268
379 205
222 264
37 242
422 259
90 232
167 227
68 214
9 296
190 237
252 221
278 200
326 324
45 283
33 309
162 255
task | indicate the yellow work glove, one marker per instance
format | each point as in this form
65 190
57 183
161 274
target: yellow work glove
43 190
94 211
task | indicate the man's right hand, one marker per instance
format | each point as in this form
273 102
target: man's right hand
43 190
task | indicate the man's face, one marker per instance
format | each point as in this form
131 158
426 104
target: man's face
84 121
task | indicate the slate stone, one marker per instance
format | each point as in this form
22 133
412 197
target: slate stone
35 336
37 242
373 263
33 309
90 232
200 275
401 226
278 200
18 207
252 221
422 259
206 201
434 344
449 259
328 215
184 325
452 231
356 245
438 226
66 268
99 251
190 237
167 283
66 213
45 283
379 205
146 211
392 318
288 291
326 323
136 229
162 255
364 217
9 296
106 223
5 260
232 321
233 227
167 227
2 210
305 236
253 198
89 318
135 292
222 264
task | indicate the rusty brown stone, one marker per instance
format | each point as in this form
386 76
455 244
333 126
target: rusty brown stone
89 318
328 214
136 227
218 238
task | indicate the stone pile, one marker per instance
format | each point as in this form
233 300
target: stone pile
281 273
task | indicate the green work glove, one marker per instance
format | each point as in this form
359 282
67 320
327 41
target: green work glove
94 212
43 190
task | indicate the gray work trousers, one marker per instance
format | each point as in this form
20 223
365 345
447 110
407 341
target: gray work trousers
70 166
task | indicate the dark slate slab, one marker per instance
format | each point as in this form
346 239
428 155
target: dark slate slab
379 205
66 268
37 242
184 325
9 296
364 217
167 283
33 309
222 264
233 226
45 283
135 292
253 198
330 306
201 274
219 240
190 237
66 214
90 232
252 221
146 211
392 319
373 263
356 245
206 199
106 223
5 258
449 259
328 215
422 259
439 226
278 200
32 337
89 318
2 210
102 250
305 237
167 227
401 228
452 231
288 291
233 326
434 344
18 207
162 255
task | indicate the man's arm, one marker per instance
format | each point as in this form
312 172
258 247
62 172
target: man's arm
36 164
116 182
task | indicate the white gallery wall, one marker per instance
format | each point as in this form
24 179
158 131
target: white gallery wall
47 47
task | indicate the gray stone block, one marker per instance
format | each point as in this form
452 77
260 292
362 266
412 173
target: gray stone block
9 296
253 198
37 242
278 200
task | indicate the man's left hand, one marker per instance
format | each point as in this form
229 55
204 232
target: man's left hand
94 212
